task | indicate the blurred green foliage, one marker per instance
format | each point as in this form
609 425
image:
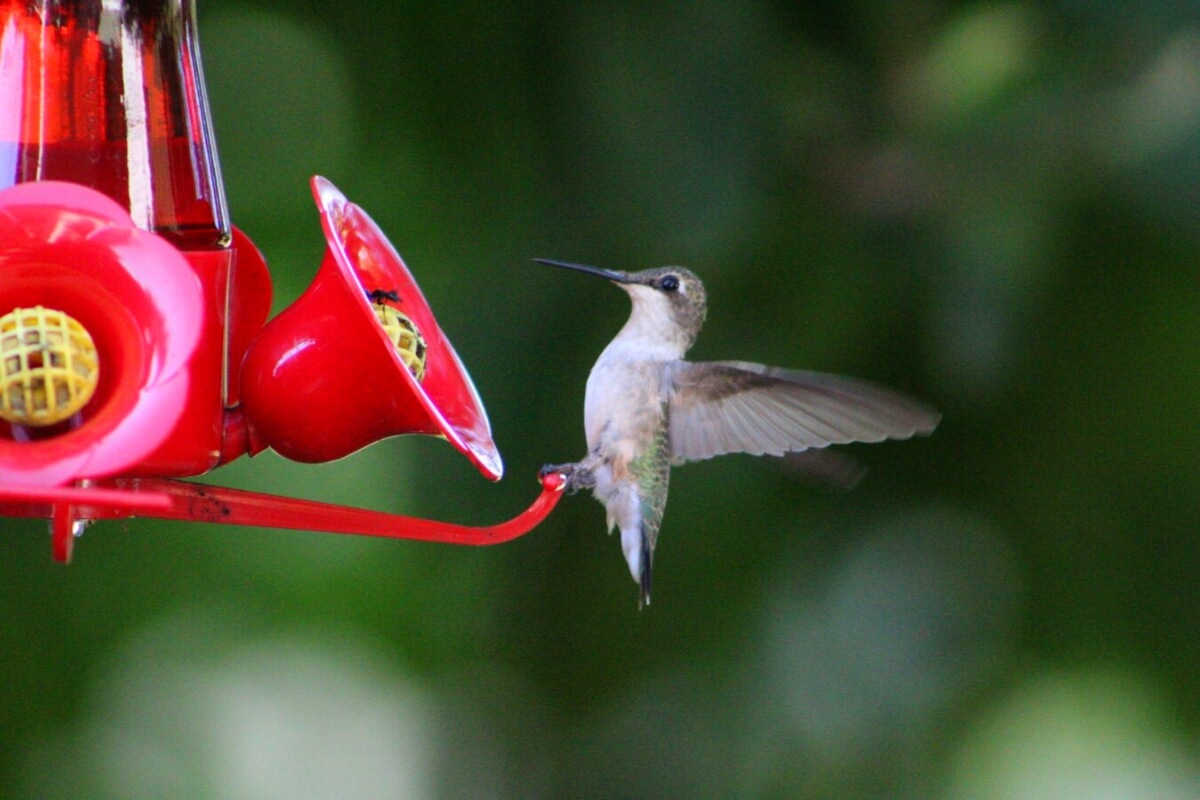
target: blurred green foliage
991 205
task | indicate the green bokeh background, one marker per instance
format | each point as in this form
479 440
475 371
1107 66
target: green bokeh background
991 205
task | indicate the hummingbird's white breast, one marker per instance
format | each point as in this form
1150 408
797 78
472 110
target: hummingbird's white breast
623 404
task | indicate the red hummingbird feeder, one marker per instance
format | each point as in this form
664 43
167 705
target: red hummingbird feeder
134 344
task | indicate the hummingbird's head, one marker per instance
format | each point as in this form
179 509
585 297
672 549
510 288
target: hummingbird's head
669 303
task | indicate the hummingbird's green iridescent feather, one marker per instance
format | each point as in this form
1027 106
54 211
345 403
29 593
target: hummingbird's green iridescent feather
653 471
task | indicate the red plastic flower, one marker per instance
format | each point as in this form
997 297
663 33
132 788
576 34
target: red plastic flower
323 379
70 248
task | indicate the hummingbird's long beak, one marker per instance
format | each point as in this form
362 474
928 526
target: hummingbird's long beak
616 277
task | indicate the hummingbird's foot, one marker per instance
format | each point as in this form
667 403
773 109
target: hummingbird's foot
575 476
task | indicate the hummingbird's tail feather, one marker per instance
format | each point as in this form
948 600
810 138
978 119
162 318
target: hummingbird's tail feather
639 554
638 522
647 573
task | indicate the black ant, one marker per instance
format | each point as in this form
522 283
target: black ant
377 296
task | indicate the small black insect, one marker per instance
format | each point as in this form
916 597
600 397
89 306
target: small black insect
379 295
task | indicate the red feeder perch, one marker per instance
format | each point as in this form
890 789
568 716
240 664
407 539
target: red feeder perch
133 350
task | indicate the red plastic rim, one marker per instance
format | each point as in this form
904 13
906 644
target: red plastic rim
366 258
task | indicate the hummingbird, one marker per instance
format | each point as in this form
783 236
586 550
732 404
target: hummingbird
646 409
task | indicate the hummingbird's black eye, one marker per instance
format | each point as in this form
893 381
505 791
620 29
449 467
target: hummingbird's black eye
669 283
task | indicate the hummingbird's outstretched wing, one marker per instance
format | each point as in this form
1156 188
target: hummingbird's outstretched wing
738 407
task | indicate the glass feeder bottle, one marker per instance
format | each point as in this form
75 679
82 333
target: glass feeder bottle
109 94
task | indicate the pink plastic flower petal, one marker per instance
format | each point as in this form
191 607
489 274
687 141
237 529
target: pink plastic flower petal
70 248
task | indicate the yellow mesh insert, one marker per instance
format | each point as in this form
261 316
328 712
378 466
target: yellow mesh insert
48 366
405 338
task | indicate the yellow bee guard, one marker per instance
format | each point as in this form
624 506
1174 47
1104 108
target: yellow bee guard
48 366
405 338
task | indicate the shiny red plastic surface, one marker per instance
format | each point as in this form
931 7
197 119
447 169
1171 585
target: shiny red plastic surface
202 503
323 380
109 94
112 210
68 247
70 509
249 306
